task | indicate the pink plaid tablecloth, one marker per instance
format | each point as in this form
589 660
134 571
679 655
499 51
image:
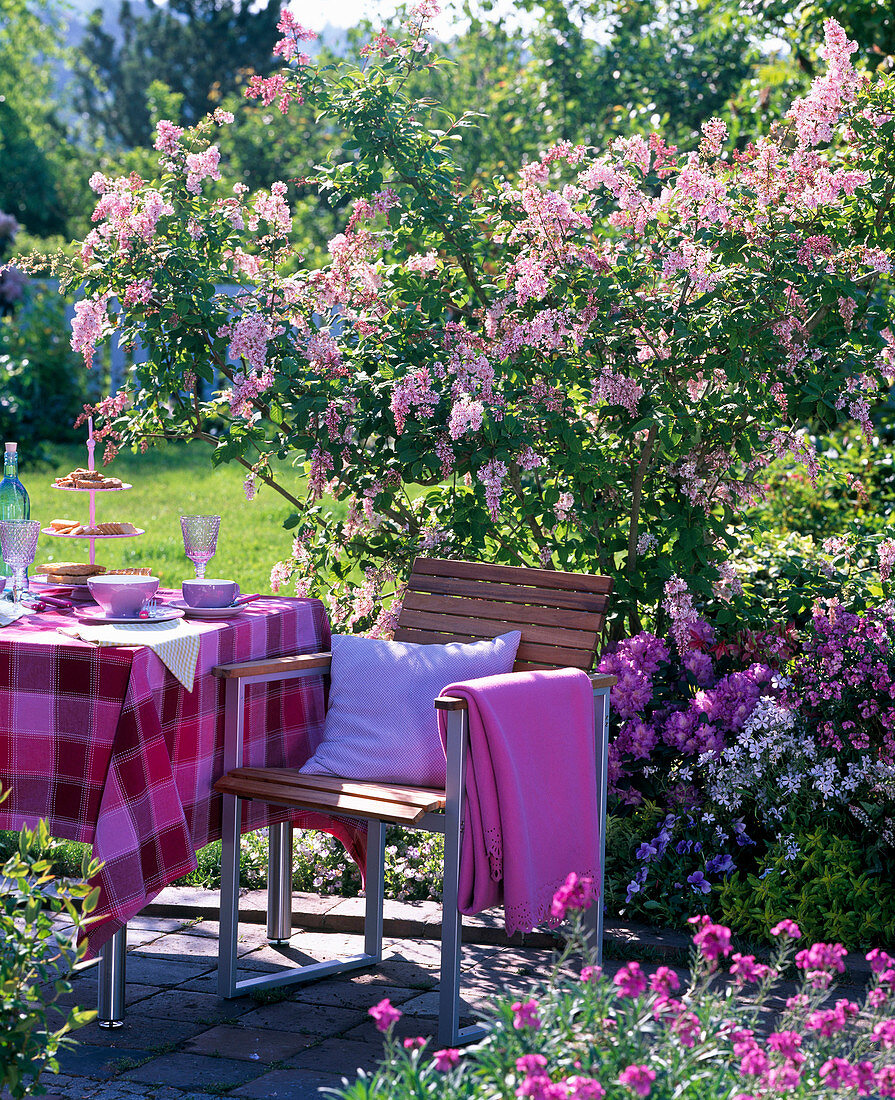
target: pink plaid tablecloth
108 747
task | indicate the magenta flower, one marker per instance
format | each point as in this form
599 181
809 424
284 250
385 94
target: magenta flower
885 1033
786 1043
787 928
639 1079
584 1088
525 1014
631 981
663 981
713 940
415 1044
879 960
385 1014
531 1063
746 969
591 973
575 893
445 1060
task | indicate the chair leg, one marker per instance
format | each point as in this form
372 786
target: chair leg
450 1034
279 883
374 882
601 733
230 834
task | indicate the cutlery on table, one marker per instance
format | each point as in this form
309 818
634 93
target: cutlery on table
245 599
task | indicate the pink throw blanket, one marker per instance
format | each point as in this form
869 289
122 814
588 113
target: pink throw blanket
531 800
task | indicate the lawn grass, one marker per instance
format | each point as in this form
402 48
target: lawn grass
168 481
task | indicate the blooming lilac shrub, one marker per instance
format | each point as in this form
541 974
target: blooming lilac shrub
586 364
584 1036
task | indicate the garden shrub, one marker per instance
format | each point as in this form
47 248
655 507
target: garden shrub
587 364
824 880
35 961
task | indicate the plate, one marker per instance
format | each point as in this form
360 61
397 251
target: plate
110 489
206 612
66 535
157 615
51 585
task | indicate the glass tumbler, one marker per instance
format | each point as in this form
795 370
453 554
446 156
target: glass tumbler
200 540
18 544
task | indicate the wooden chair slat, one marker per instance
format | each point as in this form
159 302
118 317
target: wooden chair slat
547 656
425 797
278 794
510 593
513 574
490 628
501 611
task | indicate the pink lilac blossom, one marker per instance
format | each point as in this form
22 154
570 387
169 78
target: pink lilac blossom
616 389
492 475
250 336
167 138
815 114
678 603
202 166
886 554
273 208
88 326
267 89
714 134
248 487
466 416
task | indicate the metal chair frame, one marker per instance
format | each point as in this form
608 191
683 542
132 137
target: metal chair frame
279 917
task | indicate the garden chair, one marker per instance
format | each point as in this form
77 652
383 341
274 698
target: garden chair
560 616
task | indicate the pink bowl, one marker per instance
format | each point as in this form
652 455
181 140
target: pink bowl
122 597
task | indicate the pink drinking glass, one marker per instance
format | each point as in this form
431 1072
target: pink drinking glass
18 544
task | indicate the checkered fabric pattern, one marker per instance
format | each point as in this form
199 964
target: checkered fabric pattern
109 748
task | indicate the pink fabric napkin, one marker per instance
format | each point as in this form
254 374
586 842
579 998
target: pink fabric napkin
531 798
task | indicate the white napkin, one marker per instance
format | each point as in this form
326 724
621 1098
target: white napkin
175 643
10 612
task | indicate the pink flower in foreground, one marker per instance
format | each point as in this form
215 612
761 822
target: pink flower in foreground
638 1078
787 928
584 1088
631 981
577 892
713 940
416 1043
384 1014
746 969
879 960
446 1059
525 1014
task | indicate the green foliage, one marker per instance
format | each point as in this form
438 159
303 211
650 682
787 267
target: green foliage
35 960
821 878
42 382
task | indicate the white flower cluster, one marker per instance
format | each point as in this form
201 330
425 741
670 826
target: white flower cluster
775 762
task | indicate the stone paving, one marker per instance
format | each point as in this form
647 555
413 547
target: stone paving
181 1041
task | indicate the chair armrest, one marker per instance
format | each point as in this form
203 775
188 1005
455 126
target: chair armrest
448 702
270 666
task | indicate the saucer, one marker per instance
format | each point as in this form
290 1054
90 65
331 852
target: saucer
162 614
206 612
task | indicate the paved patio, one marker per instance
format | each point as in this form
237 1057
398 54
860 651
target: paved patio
181 1041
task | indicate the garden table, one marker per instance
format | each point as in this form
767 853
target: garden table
112 751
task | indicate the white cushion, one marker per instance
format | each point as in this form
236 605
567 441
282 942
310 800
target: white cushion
381 723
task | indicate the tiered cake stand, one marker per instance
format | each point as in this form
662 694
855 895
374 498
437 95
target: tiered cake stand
92 539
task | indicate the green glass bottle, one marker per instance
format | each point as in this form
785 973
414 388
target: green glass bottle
14 502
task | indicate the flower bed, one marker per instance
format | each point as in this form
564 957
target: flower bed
585 1037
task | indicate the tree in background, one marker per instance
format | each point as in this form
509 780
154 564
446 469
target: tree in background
202 49
871 23
37 162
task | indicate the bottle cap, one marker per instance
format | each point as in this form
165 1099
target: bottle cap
11 448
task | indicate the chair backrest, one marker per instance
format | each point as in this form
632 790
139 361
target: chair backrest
560 615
